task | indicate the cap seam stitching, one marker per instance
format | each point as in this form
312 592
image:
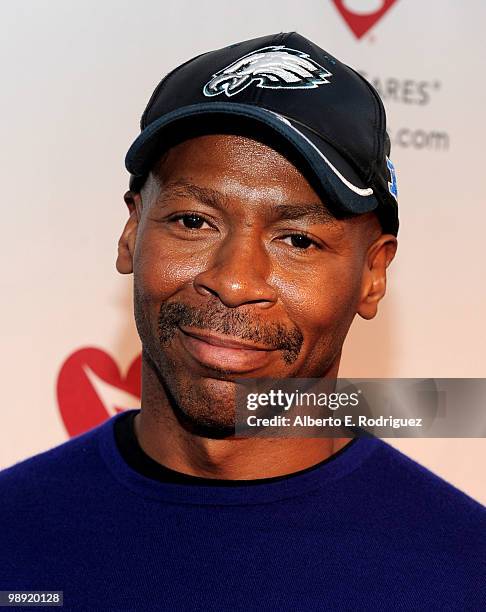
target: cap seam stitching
377 113
156 91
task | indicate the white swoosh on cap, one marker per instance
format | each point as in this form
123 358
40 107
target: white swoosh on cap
366 191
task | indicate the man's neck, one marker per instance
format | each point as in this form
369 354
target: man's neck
164 439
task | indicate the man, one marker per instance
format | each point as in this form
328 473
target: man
263 217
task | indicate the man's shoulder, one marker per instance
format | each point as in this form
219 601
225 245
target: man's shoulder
54 467
422 491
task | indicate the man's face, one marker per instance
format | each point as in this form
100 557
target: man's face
233 245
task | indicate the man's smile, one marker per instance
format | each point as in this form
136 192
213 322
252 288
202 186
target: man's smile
227 339
215 350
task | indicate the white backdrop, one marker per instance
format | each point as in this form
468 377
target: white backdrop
76 77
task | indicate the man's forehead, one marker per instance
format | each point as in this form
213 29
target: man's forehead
239 153
231 156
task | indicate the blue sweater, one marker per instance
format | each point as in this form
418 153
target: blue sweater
368 530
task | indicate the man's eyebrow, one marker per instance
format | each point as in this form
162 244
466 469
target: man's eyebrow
183 188
315 212
312 211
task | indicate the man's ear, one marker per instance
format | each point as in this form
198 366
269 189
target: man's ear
373 288
126 244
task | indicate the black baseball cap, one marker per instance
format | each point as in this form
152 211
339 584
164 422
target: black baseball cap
284 86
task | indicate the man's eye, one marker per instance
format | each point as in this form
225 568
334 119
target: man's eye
191 221
300 241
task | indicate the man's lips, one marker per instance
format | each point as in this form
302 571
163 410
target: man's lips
225 341
214 350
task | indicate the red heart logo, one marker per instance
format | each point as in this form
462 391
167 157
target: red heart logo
361 15
91 389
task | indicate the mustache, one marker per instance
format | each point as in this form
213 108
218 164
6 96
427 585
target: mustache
239 324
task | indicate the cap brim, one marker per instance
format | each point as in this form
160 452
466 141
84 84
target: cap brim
337 179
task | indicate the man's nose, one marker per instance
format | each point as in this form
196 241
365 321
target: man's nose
238 273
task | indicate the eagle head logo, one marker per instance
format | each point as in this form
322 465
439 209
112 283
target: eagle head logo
276 67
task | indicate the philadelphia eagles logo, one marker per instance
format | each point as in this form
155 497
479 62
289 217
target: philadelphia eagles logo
276 67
